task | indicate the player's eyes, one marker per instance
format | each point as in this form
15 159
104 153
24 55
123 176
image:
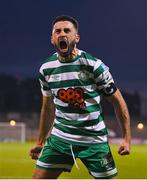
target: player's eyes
66 30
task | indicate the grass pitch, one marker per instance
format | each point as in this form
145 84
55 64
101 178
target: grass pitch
16 163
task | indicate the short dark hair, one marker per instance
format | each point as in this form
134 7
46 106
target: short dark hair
66 18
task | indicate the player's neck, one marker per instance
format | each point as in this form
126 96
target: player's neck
70 57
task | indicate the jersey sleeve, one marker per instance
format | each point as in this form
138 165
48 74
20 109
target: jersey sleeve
44 85
104 79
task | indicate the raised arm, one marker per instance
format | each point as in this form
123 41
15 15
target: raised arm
123 116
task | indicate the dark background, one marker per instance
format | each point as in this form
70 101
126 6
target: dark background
112 30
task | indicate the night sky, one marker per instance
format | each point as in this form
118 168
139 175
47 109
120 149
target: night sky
112 30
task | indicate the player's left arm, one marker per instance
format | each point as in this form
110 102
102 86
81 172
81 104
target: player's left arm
122 114
106 86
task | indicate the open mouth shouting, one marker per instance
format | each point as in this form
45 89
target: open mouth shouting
63 46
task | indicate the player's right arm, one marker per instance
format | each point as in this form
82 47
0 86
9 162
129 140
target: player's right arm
46 121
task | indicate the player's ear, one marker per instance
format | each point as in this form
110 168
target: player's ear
77 38
52 40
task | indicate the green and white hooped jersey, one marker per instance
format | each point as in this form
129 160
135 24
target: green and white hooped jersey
77 88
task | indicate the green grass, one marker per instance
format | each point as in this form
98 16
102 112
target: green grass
16 163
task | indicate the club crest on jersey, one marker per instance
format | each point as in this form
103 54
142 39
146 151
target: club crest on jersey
84 75
73 96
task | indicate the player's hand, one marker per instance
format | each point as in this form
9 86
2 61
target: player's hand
124 148
35 151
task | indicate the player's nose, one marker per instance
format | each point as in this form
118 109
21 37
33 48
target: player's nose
62 33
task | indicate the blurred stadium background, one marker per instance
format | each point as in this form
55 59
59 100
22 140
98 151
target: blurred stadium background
20 103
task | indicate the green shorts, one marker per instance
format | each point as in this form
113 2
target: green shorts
61 155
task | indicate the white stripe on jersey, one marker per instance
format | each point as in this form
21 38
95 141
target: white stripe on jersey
63 77
78 138
75 116
101 125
